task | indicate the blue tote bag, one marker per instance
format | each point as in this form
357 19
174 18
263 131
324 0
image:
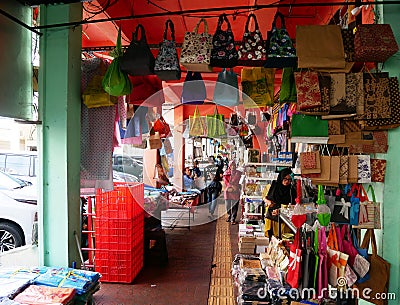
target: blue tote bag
226 91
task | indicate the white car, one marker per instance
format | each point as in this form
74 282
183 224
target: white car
18 212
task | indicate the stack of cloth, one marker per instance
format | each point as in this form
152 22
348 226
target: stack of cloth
42 295
7 301
81 280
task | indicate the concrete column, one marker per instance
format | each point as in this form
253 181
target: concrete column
60 105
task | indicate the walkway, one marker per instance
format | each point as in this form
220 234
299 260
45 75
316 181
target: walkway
190 278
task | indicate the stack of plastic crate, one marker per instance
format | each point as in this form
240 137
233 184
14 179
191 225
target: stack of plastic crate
119 232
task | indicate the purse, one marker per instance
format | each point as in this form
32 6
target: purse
166 65
348 44
364 168
325 91
93 95
162 127
288 91
378 170
116 82
196 49
374 43
257 87
223 52
378 283
252 51
194 90
280 49
138 59
215 124
308 91
155 141
370 213
226 90
308 126
197 126
320 46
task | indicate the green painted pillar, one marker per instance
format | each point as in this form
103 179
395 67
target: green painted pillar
391 233
60 105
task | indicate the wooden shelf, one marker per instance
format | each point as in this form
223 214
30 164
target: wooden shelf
252 197
260 178
253 214
268 164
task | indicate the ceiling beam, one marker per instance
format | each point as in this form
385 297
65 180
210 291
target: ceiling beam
215 9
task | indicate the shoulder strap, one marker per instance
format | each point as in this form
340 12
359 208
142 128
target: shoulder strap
172 28
196 29
142 34
279 15
248 21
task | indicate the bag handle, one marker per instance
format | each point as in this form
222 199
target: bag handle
370 187
196 113
373 242
280 15
366 240
246 29
221 20
196 29
142 34
172 29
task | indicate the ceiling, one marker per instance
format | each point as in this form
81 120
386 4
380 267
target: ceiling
152 14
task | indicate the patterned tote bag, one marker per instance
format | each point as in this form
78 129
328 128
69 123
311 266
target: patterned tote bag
167 62
252 51
308 91
196 49
223 53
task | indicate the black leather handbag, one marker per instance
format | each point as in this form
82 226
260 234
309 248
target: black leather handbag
138 59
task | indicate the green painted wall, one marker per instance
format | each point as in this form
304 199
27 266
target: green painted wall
16 62
60 75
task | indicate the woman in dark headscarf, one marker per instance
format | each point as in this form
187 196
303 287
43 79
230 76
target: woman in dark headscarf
282 192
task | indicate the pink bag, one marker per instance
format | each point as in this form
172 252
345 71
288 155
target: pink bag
322 288
348 246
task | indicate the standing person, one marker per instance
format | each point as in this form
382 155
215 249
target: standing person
232 191
196 169
282 192
220 163
214 190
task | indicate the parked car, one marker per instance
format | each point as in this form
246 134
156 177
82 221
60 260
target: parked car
18 212
128 165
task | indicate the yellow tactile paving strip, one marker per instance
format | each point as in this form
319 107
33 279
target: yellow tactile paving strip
221 285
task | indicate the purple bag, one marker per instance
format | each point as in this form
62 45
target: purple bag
194 90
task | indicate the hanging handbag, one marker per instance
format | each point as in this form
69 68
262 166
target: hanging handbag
252 51
378 170
226 90
370 213
197 126
293 275
320 46
288 91
116 82
223 53
167 66
378 283
376 96
162 127
194 90
348 44
394 120
215 124
93 95
280 49
374 43
364 169
322 278
138 59
257 87
325 91
308 91
196 49
308 126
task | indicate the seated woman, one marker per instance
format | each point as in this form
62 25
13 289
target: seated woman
282 192
188 181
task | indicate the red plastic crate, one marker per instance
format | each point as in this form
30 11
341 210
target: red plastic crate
118 234
119 266
125 201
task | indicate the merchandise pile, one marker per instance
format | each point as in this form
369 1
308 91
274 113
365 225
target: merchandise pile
46 285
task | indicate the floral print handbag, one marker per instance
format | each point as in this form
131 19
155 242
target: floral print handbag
252 51
167 63
223 53
196 49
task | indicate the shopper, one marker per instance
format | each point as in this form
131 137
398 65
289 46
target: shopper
232 191
214 190
188 181
196 169
220 163
282 192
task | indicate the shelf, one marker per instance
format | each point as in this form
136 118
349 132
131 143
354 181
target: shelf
252 197
253 214
268 164
260 178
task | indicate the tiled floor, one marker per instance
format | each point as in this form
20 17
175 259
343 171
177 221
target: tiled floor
186 278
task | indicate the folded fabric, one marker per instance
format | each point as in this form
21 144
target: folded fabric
20 273
42 295
7 301
10 287
81 280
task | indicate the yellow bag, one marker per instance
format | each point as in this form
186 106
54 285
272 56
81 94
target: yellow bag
257 87
197 126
